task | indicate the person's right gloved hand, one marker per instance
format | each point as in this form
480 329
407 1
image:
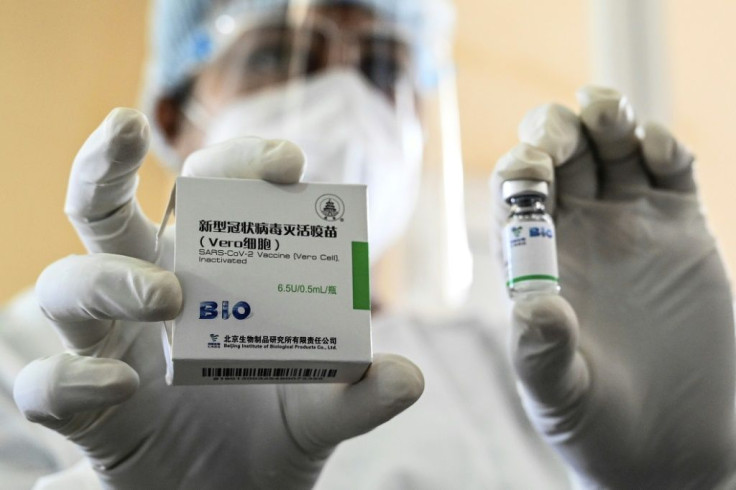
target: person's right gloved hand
629 373
107 393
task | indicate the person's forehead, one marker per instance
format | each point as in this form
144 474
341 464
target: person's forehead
346 16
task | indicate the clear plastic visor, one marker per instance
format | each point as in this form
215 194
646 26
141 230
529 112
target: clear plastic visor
300 42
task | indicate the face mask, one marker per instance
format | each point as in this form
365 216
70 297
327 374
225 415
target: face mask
349 132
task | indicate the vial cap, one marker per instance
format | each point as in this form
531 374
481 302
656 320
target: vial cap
512 188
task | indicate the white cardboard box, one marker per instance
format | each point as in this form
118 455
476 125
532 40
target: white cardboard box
275 282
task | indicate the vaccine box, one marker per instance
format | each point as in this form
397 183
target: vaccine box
275 281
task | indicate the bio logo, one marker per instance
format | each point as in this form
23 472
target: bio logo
541 232
516 230
209 310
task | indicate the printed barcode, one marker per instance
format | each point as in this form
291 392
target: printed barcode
268 373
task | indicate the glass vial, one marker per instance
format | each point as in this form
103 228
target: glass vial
529 238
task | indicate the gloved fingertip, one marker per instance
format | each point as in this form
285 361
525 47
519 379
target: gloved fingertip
524 161
321 416
85 383
610 121
591 94
606 109
662 153
52 389
160 297
553 128
46 283
543 349
128 135
399 382
541 322
283 162
248 157
116 382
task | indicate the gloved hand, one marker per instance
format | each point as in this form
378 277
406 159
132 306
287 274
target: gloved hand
629 374
107 394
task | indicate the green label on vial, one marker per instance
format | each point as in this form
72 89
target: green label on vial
534 277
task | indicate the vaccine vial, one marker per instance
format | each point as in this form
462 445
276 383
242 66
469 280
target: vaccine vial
529 238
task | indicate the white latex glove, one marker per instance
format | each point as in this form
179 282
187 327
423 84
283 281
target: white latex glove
108 395
629 374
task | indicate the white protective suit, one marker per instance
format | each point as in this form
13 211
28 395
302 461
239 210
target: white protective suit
26 450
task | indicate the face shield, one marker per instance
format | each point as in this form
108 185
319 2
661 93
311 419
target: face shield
260 52
344 80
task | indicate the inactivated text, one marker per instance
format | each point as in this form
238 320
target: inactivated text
219 256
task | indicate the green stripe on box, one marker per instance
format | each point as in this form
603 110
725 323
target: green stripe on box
536 277
361 277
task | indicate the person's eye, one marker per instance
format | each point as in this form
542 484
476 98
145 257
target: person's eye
267 60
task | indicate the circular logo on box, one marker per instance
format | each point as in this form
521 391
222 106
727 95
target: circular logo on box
329 207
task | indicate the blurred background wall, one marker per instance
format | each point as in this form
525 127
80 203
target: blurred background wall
66 64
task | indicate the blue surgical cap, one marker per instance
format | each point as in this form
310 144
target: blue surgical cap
181 35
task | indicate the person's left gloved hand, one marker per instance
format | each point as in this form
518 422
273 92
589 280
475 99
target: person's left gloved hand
108 395
629 373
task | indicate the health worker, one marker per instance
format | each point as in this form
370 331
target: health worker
628 385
